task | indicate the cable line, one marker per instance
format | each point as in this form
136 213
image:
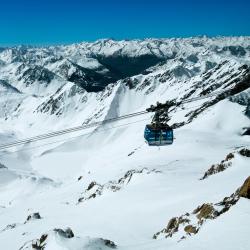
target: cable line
70 138
94 124
69 130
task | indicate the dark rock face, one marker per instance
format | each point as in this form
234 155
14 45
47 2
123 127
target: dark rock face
37 73
109 243
2 166
223 165
95 189
52 105
246 132
91 185
9 227
248 109
245 152
125 66
5 84
210 65
40 243
91 80
193 58
34 216
235 50
66 233
242 96
181 71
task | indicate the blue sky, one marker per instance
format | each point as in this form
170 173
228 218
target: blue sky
47 22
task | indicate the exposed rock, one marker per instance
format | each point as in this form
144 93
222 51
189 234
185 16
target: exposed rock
190 229
241 84
8 227
247 112
245 189
223 165
230 156
173 226
205 211
131 153
94 189
66 233
247 130
2 166
34 216
40 243
245 152
37 73
37 244
109 243
190 223
228 202
235 50
79 178
91 185
64 239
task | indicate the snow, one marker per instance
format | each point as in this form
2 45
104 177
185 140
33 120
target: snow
131 216
50 177
228 232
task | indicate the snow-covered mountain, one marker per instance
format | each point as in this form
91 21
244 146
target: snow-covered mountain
105 183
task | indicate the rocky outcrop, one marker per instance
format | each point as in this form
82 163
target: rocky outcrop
245 152
31 217
34 216
9 227
65 233
37 73
190 223
109 243
245 189
40 243
64 239
95 189
246 130
2 166
217 168
226 163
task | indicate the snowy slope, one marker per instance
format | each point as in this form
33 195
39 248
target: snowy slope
105 183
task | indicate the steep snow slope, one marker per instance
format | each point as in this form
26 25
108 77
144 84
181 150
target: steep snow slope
105 183
129 216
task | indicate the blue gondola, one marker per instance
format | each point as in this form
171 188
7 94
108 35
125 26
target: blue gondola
158 135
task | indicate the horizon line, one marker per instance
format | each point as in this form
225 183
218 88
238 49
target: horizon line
52 44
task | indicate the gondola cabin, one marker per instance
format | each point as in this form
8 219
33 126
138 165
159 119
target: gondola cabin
158 135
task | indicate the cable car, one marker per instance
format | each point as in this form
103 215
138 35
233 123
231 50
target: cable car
158 135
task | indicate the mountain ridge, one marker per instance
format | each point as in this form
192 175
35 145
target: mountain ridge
105 182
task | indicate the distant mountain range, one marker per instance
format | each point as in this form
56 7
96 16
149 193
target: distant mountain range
60 79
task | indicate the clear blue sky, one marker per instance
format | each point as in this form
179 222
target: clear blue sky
38 22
